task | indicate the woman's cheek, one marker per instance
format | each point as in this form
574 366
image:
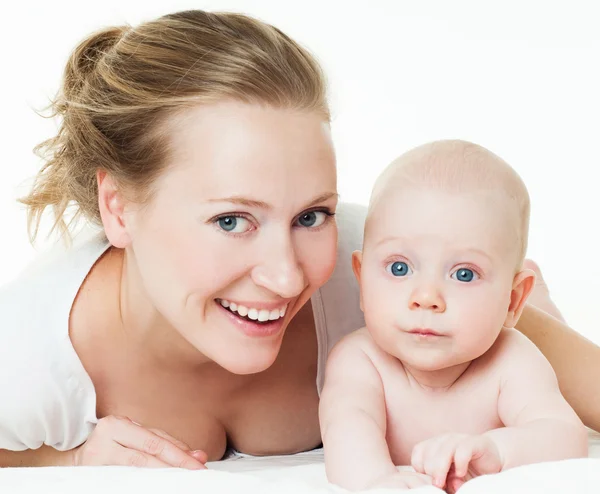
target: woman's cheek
319 258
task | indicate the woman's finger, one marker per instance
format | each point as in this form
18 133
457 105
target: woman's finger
133 436
200 455
132 458
180 444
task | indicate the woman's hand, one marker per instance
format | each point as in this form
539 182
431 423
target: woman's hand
120 441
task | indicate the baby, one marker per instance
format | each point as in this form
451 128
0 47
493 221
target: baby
439 379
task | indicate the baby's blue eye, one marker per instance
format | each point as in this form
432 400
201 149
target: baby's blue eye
465 275
399 268
312 219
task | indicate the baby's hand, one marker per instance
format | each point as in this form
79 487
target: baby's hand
401 479
452 459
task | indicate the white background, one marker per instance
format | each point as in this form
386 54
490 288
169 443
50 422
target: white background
519 77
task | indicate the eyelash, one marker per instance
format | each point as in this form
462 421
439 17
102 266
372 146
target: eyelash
473 268
325 211
394 259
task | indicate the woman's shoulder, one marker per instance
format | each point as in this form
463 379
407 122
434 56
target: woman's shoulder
350 219
52 272
340 295
336 305
44 390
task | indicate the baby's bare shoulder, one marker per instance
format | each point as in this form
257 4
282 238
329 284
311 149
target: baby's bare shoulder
514 351
357 347
358 340
512 340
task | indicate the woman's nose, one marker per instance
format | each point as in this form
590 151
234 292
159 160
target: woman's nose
279 271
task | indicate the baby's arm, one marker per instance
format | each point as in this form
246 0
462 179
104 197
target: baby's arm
353 417
540 425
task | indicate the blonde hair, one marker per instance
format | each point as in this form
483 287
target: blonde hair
121 83
458 166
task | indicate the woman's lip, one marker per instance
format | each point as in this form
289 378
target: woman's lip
253 328
257 305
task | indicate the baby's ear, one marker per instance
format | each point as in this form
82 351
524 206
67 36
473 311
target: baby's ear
356 265
523 284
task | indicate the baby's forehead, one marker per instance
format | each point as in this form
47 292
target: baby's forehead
454 169
421 218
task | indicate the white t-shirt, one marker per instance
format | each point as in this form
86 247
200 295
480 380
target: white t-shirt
47 397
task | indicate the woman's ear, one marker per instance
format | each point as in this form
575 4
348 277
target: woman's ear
523 283
112 207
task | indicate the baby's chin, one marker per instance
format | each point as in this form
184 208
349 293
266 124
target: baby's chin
433 363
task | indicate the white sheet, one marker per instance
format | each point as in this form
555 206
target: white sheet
301 473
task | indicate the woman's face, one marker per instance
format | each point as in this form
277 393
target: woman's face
240 232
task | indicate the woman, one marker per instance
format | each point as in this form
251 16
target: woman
200 144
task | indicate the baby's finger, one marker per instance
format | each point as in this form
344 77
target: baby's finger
453 484
462 457
439 461
439 470
418 457
418 480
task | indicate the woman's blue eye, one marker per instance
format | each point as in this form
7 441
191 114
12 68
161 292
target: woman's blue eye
399 268
312 219
234 224
465 275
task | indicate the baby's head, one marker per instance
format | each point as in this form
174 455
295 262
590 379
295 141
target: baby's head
441 266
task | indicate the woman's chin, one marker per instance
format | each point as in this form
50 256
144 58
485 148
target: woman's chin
247 361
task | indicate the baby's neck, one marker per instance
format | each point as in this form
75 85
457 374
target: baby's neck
438 380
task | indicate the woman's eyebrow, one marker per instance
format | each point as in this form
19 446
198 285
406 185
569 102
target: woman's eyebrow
244 201
253 203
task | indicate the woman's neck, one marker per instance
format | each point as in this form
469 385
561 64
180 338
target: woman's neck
143 327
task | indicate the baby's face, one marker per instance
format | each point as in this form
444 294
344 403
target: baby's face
437 274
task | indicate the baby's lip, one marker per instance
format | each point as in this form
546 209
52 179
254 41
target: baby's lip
425 332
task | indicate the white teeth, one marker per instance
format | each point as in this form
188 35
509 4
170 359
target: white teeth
261 315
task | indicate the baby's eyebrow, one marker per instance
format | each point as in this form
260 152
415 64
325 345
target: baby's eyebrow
385 240
479 252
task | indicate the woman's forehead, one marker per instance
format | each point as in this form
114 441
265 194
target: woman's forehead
234 149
